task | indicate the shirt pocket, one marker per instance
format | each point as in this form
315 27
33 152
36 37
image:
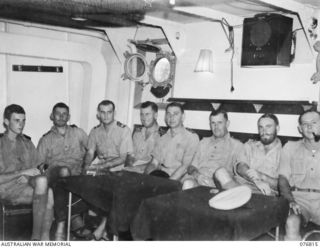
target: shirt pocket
101 151
179 151
299 170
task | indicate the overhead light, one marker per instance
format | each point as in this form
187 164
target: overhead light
204 63
79 19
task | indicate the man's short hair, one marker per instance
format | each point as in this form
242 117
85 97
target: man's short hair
147 104
219 111
105 103
271 116
312 110
60 105
175 104
13 108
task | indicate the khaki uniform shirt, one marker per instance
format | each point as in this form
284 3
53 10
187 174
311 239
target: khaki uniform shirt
64 150
255 157
15 157
213 153
142 145
18 156
301 165
113 143
175 151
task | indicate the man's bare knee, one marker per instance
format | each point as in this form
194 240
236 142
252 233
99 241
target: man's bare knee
223 179
64 172
189 184
293 227
41 185
293 221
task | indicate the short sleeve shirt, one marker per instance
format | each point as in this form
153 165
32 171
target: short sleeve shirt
255 157
64 150
18 155
213 153
174 151
111 143
142 145
300 164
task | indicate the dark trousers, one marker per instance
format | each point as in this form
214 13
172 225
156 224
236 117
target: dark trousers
61 201
159 173
61 197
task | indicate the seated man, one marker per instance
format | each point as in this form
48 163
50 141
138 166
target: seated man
299 175
145 137
259 163
217 151
110 142
63 149
174 151
18 161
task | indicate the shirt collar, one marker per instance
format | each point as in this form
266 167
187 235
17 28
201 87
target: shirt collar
275 145
110 126
54 129
176 131
152 129
224 138
19 136
308 146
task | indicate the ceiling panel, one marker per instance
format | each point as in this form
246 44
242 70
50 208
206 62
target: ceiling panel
310 3
125 12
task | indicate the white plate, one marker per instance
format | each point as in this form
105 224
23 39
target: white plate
231 198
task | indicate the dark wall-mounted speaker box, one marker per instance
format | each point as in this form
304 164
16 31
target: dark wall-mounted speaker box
266 40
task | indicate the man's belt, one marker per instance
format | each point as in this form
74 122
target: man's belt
305 190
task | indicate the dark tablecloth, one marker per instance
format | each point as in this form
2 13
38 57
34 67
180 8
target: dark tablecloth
119 194
187 216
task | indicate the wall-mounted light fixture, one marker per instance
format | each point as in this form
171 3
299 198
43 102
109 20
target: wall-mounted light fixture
204 63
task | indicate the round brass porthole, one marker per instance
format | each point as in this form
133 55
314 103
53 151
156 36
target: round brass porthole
135 66
162 70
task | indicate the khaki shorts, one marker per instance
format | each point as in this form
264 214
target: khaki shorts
16 192
310 203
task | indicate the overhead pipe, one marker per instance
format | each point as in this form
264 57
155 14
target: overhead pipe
87 6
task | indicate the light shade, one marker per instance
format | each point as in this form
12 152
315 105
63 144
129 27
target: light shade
204 63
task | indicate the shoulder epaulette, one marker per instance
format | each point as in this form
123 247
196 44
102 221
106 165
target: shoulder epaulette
46 133
27 137
162 131
96 126
73 125
137 129
119 124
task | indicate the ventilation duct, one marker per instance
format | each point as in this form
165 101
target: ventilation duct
86 6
